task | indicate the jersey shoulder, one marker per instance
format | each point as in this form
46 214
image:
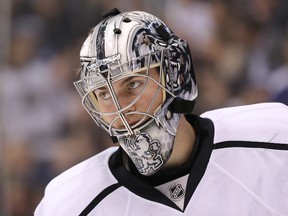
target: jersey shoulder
263 122
77 186
92 167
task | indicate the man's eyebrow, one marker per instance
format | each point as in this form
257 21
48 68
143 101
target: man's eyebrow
122 82
126 80
103 88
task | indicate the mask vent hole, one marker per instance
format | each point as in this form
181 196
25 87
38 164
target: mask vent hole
126 20
117 31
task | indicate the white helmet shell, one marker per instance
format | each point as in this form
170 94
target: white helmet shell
119 47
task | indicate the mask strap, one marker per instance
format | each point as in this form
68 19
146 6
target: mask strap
179 105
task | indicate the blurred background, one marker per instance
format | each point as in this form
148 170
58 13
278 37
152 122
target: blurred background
240 52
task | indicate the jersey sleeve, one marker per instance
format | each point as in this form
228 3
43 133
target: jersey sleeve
266 122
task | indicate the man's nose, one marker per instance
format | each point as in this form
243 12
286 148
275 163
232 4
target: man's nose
127 103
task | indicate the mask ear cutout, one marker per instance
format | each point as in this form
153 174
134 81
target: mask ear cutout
163 33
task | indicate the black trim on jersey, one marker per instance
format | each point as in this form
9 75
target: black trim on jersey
167 175
134 183
205 131
250 144
99 198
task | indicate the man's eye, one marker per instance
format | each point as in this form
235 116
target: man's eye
104 95
134 84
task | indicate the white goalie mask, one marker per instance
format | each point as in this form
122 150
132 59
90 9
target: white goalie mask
136 79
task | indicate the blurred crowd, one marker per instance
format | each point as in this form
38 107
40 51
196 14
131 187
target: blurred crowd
240 53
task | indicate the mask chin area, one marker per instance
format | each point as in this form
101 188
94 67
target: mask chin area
149 149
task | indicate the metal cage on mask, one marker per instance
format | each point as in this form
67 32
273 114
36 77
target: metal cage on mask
104 73
128 45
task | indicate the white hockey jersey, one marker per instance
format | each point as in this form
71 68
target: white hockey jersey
240 169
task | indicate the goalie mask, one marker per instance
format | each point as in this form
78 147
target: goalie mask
136 79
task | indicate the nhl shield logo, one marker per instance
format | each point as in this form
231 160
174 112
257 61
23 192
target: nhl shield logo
177 192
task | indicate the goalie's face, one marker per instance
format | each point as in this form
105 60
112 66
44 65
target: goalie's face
130 101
